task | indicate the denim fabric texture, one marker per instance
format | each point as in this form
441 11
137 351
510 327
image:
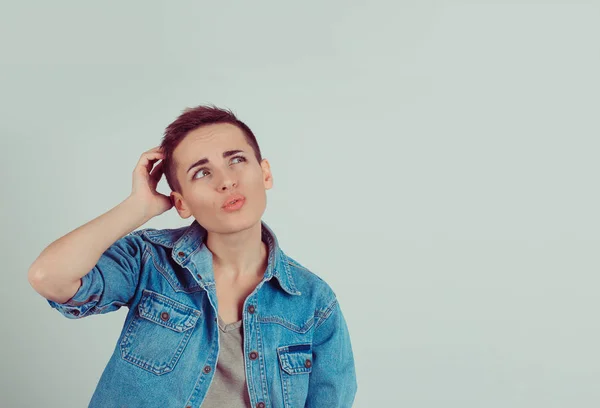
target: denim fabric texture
297 349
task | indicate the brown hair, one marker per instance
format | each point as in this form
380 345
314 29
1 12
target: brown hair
191 119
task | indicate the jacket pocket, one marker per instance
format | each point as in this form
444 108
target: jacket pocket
295 362
158 333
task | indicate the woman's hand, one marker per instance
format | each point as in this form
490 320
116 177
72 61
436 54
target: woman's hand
145 180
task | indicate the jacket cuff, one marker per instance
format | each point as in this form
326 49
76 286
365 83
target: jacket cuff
80 304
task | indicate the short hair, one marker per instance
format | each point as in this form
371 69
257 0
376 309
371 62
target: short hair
191 119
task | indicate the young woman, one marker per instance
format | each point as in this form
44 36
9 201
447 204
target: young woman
219 315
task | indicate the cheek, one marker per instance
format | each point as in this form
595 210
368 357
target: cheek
202 199
256 179
257 188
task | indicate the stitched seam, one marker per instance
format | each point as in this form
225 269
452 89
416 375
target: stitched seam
324 315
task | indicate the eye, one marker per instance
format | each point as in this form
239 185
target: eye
242 159
198 172
239 157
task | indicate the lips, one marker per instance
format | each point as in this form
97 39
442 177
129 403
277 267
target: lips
233 197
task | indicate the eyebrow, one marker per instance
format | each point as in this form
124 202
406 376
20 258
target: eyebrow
205 160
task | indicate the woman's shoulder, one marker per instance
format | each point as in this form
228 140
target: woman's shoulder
307 280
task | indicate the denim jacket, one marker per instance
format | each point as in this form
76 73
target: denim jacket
297 350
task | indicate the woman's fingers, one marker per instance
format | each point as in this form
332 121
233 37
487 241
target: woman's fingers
147 160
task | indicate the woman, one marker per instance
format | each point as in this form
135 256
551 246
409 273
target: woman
219 315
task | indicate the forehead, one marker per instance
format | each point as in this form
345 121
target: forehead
209 141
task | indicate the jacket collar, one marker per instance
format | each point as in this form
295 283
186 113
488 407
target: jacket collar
188 246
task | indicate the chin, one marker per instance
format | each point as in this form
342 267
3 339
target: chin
231 223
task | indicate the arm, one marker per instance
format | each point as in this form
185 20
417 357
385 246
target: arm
58 272
112 281
95 268
332 382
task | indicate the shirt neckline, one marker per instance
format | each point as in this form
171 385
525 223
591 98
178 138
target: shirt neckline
226 327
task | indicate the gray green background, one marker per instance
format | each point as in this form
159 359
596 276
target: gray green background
435 162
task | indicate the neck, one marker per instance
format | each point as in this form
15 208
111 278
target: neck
239 255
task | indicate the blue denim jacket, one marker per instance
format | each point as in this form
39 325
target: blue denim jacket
297 349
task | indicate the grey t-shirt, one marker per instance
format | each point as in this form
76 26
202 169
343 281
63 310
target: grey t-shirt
228 387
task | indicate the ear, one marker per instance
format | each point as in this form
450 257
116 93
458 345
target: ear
267 175
180 205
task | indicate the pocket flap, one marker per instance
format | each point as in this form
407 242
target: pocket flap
295 358
167 312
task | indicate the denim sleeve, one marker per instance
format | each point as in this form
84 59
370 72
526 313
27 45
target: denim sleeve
111 283
332 382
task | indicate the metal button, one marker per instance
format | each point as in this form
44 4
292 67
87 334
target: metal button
181 253
253 355
198 275
251 308
207 369
164 316
307 363
260 405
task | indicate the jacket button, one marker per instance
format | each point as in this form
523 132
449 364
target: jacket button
260 405
181 253
253 355
307 363
251 308
207 369
164 316
198 275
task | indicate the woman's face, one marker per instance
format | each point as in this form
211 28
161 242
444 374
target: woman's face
206 186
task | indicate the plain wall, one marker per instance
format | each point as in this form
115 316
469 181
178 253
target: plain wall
435 162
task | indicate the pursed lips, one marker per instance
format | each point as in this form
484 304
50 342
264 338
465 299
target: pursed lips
232 199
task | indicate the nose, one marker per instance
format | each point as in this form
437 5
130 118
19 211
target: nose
228 185
229 181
